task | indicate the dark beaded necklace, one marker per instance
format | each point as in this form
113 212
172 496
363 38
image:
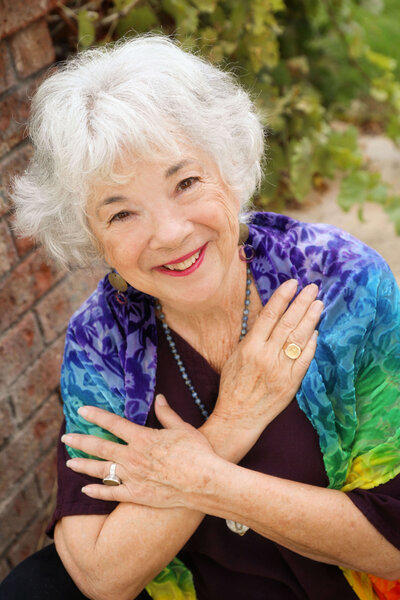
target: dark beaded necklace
238 528
177 356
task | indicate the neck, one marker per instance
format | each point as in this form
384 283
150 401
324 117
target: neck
214 330
222 308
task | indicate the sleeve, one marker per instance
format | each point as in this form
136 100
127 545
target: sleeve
381 506
376 446
70 499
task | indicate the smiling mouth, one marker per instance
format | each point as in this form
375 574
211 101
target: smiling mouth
189 264
181 266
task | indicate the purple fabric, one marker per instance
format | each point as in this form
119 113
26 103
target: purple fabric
224 564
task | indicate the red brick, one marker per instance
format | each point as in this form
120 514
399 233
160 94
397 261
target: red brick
18 348
28 446
33 538
32 48
7 423
35 385
24 285
7 77
26 544
55 310
14 111
8 254
17 14
13 165
20 508
46 473
22 244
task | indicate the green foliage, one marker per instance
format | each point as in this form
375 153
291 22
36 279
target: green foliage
307 64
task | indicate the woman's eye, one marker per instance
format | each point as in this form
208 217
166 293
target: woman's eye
187 183
121 216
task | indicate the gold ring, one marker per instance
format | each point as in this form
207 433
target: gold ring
292 350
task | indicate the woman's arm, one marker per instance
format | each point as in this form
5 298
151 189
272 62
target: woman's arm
319 523
115 556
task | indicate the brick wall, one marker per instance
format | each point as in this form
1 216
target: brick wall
36 301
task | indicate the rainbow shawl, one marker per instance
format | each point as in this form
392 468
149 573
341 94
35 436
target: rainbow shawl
351 392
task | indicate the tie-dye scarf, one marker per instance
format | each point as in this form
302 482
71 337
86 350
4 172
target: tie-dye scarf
351 392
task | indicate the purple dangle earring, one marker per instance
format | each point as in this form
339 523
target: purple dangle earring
119 284
246 251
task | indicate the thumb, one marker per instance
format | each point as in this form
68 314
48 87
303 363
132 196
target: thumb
167 417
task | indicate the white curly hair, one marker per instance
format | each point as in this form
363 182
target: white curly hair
144 95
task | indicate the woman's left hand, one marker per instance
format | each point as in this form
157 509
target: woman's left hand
158 467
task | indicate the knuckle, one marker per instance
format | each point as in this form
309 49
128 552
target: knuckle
268 314
287 323
298 338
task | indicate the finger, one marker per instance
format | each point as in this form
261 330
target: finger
271 313
117 493
120 427
168 417
305 329
293 316
88 466
93 445
301 364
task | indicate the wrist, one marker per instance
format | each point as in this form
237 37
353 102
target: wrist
231 438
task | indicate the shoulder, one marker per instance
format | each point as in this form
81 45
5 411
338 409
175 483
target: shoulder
316 252
323 239
102 320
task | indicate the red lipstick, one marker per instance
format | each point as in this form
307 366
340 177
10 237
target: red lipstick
189 270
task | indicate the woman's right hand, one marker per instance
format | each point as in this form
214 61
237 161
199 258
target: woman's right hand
259 381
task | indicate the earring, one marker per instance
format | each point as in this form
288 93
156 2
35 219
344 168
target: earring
119 284
246 251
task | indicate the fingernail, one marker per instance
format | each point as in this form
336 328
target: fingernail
316 307
311 289
65 438
290 285
315 334
83 411
161 400
69 463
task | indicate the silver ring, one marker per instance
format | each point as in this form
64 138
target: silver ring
292 350
112 478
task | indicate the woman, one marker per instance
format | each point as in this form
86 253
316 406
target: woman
147 156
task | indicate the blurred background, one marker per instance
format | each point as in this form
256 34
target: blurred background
325 76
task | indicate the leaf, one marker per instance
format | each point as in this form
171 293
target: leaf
378 193
353 189
140 19
237 18
394 213
386 63
86 27
186 16
205 6
301 167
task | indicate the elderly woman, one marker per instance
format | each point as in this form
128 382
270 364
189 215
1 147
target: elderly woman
240 459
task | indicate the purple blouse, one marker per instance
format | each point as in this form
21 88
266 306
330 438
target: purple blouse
225 565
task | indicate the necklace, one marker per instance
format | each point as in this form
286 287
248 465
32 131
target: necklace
177 356
238 528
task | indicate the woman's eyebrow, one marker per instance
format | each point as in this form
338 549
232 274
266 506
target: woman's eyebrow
108 201
174 168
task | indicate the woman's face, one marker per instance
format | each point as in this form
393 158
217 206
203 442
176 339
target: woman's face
172 230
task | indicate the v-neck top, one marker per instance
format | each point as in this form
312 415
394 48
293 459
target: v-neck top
224 564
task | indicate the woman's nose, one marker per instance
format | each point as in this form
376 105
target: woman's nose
170 228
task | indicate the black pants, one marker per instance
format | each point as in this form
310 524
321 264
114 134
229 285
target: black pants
42 577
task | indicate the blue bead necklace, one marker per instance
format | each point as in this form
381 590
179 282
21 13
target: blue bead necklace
177 356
